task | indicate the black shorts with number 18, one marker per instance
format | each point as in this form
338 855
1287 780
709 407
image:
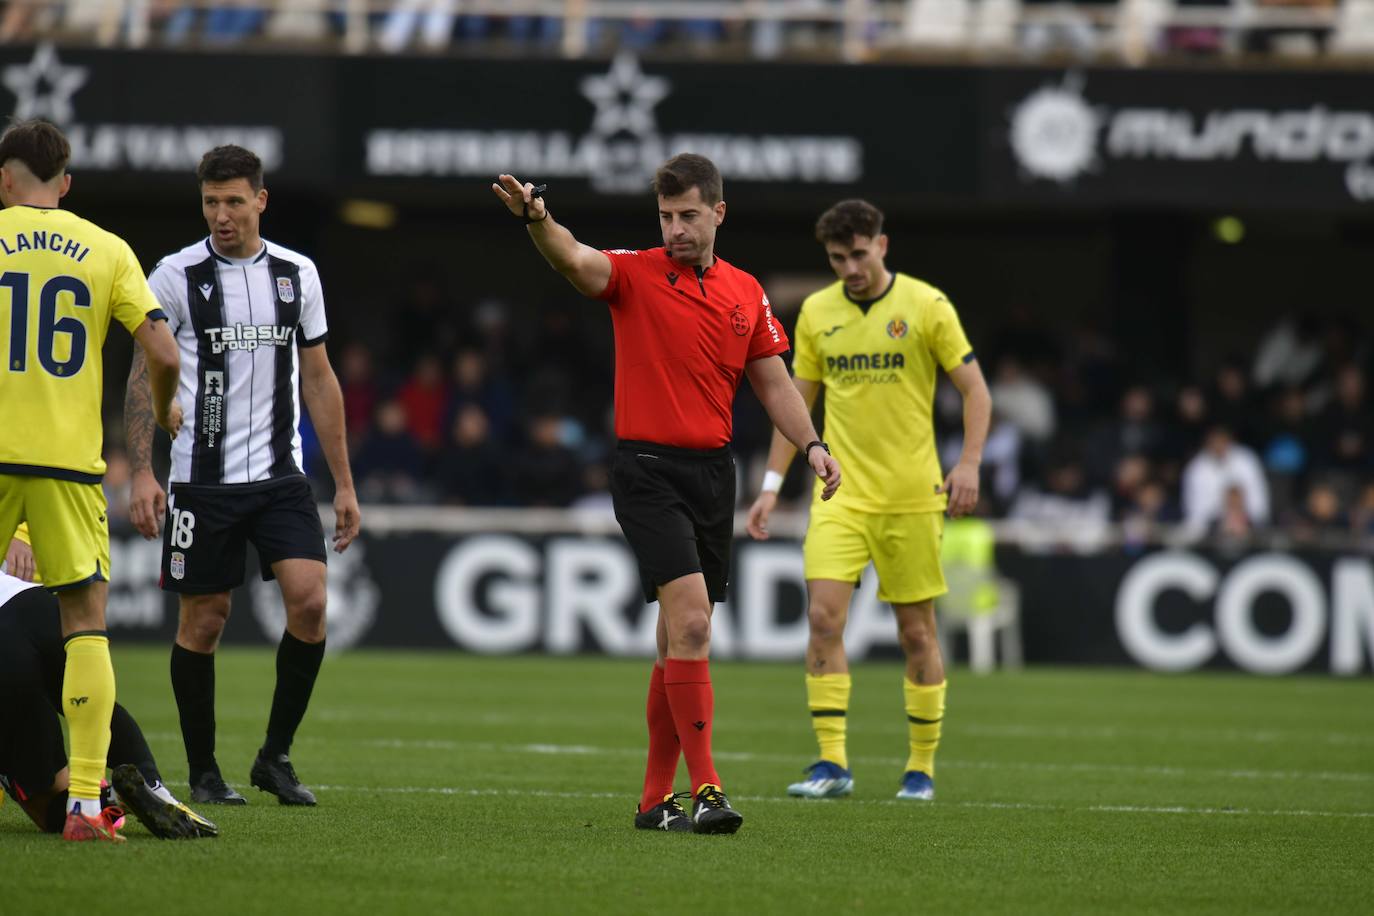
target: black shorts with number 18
208 528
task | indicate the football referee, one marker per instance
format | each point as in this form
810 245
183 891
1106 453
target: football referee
687 326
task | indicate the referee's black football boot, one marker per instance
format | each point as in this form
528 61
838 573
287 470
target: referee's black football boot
711 813
278 776
163 820
209 788
668 815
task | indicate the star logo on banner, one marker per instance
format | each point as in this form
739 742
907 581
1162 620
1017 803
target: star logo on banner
624 97
43 88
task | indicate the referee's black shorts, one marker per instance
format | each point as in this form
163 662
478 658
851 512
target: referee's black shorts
677 509
31 750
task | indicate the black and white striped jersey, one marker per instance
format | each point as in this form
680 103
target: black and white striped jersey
238 323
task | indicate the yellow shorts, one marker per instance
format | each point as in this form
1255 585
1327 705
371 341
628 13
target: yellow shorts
67 527
904 548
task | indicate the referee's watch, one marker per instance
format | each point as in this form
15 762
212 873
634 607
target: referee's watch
812 444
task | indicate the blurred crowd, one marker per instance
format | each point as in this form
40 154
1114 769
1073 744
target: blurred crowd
477 414
1077 28
499 407
1280 439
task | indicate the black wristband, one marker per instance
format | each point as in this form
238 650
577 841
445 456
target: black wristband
813 444
525 212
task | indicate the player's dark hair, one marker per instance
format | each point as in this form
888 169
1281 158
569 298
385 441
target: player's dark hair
847 219
225 163
39 145
685 171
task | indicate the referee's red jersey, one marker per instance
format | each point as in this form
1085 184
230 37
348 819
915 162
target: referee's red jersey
682 338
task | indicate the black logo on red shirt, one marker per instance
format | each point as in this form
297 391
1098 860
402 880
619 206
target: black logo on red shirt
672 278
739 321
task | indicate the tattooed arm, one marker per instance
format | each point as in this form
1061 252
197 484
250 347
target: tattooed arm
147 502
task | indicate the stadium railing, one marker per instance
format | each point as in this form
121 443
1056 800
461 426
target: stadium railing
1076 536
1129 31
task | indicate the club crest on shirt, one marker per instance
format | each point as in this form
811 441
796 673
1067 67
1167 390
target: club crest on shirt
896 329
286 292
739 321
177 565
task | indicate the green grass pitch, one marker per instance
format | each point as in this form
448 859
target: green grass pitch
458 784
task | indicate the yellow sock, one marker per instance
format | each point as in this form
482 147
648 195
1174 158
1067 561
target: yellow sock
88 696
828 697
925 708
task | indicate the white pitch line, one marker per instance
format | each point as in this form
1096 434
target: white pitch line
582 750
883 802
952 728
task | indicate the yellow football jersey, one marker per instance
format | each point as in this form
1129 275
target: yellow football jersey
62 279
878 365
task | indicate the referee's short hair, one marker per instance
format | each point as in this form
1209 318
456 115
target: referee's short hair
38 144
685 171
225 163
847 219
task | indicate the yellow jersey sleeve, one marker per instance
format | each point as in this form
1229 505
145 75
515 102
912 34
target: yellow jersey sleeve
131 299
22 533
806 361
945 335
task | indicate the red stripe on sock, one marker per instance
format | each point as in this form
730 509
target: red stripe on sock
664 749
688 684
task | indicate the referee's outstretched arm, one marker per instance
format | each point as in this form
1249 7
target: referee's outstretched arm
586 268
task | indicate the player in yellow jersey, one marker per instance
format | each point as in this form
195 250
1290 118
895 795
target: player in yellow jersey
62 281
875 340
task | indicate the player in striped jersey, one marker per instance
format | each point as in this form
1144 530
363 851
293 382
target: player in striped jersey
248 315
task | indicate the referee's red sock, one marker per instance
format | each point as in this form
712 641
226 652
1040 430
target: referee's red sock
664 749
689 693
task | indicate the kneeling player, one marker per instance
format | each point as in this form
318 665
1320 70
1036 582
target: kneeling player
33 763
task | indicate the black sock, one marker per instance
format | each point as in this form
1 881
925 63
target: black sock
193 682
298 663
55 815
127 745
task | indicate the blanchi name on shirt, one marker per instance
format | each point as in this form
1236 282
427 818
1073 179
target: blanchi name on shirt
42 240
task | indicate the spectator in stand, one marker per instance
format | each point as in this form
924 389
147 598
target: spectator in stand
117 483
1345 430
471 470
1183 433
1133 432
425 397
1023 401
1286 451
1223 465
475 383
1234 523
1232 403
1130 478
1149 509
1362 515
426 315
357 380
1068 498
388 464
1290 354
547 472
1322 517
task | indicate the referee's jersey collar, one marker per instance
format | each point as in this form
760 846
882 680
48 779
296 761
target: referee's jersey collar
702 272
237 262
